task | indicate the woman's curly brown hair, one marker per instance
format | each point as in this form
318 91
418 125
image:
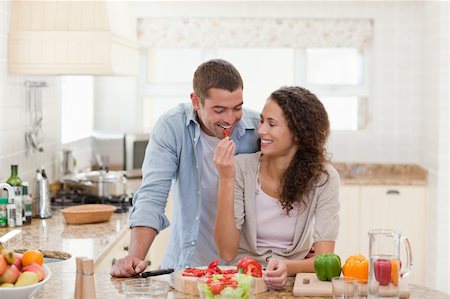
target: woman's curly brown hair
308 121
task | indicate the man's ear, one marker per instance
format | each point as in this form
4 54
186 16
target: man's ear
195 101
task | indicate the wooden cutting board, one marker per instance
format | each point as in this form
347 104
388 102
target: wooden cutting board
317 288
188 285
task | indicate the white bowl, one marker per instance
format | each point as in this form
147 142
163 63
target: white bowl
26 291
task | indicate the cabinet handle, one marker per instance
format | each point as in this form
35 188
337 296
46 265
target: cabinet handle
393 192
113 262
125 247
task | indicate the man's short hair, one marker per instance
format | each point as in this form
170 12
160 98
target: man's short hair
216 73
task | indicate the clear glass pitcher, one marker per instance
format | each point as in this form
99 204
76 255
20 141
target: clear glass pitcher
386 269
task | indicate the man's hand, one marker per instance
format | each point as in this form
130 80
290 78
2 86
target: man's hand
128 266
276 274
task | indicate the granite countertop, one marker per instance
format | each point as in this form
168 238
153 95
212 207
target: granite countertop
381 174
93 241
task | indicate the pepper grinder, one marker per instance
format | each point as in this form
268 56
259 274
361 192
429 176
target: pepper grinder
79 277
88 284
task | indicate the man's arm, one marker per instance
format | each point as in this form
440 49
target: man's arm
134 263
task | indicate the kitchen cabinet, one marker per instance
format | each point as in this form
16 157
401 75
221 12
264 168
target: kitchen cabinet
349 222
400 207
158 248
119 248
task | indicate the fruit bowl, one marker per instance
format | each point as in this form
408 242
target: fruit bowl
25 292
228 286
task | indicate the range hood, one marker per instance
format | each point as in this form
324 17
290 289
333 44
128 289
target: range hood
66 37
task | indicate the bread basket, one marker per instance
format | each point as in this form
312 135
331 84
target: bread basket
91 213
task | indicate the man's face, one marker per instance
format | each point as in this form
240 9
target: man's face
220 110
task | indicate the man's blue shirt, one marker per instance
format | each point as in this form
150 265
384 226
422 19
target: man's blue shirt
174 158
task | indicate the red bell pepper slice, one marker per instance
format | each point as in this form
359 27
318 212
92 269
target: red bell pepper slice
193 272
250 267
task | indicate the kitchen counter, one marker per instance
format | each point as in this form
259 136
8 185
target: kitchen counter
93 241
381 174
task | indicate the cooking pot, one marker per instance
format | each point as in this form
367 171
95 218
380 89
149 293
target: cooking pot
101 183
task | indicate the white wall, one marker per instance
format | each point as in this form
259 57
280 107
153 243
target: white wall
434 136
13 119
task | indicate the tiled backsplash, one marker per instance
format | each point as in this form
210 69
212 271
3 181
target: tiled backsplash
14 120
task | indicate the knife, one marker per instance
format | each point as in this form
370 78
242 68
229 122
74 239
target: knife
156 272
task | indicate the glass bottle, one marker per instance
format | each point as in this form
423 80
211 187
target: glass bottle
14 180
27 203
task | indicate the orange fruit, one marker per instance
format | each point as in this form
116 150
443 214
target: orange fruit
32 256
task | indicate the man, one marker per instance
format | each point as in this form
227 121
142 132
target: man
181 150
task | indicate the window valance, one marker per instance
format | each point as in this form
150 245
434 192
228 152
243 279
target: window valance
253 32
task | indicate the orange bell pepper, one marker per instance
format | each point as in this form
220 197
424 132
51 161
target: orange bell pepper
394 272
356 266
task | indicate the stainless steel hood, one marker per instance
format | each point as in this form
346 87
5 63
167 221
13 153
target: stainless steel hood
66 37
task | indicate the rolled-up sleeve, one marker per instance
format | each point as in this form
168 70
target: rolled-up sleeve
326 227
159 168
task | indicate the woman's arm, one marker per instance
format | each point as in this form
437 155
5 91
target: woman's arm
277 270
307 265
226 234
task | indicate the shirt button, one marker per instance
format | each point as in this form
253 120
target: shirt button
195 139
197 218
193 243
198 192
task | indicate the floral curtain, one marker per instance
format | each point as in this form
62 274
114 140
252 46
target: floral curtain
253 32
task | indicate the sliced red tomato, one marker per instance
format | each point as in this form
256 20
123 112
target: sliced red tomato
216 287
250 267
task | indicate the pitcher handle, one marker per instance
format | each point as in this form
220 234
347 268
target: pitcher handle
409 260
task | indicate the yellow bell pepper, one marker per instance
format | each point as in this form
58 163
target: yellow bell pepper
356 266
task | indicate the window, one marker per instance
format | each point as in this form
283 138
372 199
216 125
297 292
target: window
336 75
77 107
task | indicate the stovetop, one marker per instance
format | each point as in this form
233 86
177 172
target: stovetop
68 198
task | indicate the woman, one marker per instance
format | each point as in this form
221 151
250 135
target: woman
285 197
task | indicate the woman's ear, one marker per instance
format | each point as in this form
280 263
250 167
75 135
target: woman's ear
195 100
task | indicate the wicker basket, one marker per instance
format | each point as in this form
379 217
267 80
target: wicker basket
92 213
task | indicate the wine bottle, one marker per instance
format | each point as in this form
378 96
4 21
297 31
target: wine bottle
15 181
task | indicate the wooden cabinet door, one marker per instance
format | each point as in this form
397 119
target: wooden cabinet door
158 249
349 230
401 208
119 250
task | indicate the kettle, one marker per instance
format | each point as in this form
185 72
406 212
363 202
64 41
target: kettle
41 199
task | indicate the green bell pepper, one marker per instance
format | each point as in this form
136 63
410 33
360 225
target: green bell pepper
327 266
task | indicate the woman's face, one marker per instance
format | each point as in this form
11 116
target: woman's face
276 137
